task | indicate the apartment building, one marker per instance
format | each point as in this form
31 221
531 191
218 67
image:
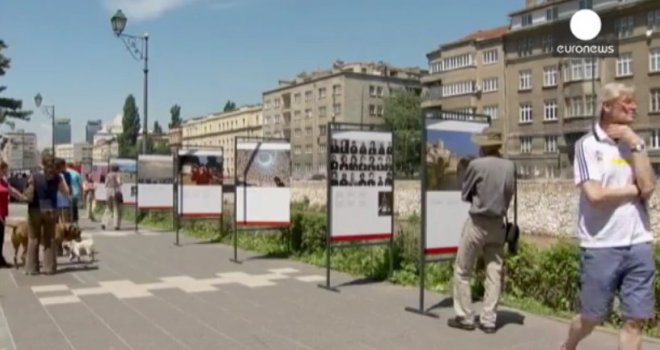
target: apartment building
218 130
105 146
75 153
300 109
20 151
552 99
467 75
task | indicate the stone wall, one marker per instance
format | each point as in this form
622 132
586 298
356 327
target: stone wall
545 207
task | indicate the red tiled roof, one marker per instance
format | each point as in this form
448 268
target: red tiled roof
485 34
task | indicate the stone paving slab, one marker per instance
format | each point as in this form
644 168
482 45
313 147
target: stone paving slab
197 299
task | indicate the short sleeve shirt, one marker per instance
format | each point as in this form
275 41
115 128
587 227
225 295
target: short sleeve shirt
599 158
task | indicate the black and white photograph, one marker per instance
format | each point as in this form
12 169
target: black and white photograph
385 203
360 163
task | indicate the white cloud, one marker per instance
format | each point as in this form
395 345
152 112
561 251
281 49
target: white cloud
143 10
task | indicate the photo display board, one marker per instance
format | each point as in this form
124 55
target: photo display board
361 185
201 178
449 149
263 183
99 171
128 176
155 182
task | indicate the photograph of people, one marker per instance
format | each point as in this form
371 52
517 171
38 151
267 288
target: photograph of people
389 148
380 181
335 146
354 181
354 164
372 164
201 170
363 163
381 164
344 180
372 147
388 162
344 147
333 180
363 148
388 179
354 147
344 162
334 165
371 181
362 181
381 149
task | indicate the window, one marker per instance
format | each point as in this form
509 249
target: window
581 69
435 67
321 93
277 118
527 20
336 90
575 106
624 65
551 144
624 26
525 144
654 142
322 129
372 91
336 109
550 76
457 62
653 21
267 120
297 132
547 43
308 131
525 81
550 110
490 56
372 110
380 110
552 13
308 113
525 47
322 150
586 4
491 111
297 98
526 113
296 115
379 91
308 149
654 60
490 85
309 95
655 100
589 103
459 88
323 112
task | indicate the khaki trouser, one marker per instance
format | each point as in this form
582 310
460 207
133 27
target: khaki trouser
89 205
481 235
113 210
41 230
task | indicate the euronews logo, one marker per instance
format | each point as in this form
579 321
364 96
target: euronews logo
585 38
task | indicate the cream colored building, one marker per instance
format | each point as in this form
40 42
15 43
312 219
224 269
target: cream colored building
218 130
76 153
105 147
21 151
467 75
299 109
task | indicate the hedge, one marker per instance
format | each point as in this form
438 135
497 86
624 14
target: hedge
537 279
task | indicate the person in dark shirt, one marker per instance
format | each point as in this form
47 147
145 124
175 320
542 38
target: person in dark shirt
381 149
388 179
354 164
41 194
344 163
371 181
388 163
363 148
344 180
344 147
64 200
372 164
362 182
389 148
372 147
354 147
335 146
334 165
333 180
363 163
380 181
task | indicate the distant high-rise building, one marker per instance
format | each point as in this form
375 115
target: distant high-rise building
62 131
93 126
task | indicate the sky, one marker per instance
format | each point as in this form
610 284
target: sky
205 52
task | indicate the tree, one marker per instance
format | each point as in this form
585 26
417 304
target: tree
158 130
130 128
229 106
9 107
175 114
402 114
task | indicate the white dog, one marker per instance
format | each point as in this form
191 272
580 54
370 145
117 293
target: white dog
78 249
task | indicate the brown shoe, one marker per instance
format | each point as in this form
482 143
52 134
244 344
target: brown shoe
461 323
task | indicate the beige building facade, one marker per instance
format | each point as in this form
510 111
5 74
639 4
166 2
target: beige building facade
300 109
468 75
75 153
21 151
219 130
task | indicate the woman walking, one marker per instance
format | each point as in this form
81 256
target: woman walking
89 189
114 198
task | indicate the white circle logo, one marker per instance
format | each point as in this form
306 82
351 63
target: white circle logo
586 25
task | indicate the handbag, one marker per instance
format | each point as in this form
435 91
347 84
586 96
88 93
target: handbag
512 230
119 197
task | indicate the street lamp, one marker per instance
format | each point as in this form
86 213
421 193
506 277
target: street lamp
138 47
50 110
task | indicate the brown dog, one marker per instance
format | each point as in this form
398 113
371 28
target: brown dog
65 232
19 238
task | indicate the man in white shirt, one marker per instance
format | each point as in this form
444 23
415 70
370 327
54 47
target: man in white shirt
616 180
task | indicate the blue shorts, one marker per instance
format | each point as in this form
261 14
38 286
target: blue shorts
630 271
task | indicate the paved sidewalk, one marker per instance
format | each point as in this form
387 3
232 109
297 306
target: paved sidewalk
145 293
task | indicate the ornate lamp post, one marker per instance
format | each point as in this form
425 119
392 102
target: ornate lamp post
138 47
50 110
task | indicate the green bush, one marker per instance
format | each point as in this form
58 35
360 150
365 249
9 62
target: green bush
536 277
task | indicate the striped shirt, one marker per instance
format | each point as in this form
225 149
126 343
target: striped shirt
599 158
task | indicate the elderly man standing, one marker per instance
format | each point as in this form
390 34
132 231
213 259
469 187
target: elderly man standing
488 184
616 180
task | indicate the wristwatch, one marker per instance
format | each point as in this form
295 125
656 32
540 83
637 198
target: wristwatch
640 147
